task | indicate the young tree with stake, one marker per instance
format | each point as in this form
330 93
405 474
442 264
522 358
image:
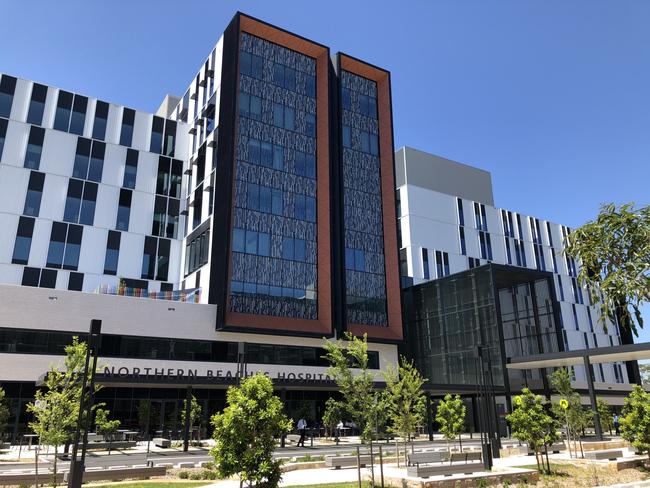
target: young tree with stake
451 418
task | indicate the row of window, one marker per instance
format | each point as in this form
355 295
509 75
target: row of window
244 288
269 200
121 346
253 65
259 243
272 156
442 264
368 143
366 105
196 252
355 259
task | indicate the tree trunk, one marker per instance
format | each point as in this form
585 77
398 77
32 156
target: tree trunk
548 464
56 452
537 460
36 466
460 441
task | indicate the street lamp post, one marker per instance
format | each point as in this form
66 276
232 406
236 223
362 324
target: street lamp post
86 399
484 416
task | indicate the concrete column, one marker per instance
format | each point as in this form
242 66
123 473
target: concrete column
592 397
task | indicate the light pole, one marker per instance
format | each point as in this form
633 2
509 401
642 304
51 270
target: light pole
86 399
483 414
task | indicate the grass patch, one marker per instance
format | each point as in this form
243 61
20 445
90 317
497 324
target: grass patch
309 458
155 484
353 484
557 470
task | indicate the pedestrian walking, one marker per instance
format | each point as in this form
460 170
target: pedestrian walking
302 429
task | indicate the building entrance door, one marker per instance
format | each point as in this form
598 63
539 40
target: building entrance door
164 418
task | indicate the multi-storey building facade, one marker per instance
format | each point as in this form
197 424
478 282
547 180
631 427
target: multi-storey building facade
265 193
91 191
449 223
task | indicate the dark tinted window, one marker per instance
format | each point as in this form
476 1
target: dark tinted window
23 240
3 134
170 138
162 265
34 193
37 104
82 158
76 281
31 276
7 89
112 253
57 245
124 210
63 110
48 278
101 116
130 168
34 147
87 214
73 201
149 258
126 134
73 247
78 119
157 128
96 161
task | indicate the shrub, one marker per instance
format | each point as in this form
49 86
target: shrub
183 475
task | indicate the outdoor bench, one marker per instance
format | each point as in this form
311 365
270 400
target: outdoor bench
609 454
553 448
443 469
338 462
162 442
103 445
426 457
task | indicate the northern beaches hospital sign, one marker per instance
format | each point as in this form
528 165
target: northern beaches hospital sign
190 375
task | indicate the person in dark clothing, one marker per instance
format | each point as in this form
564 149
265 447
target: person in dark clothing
617 424
302 430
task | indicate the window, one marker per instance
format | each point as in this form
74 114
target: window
251 242
251 65
130 168
76 282
196 252
169 143
550 235
198 206
425 263
508 252
442 263
283 116
575 316
37 104
65 246
70 116
159 216
250 106
7 89
34 147
355 259
162 262
34 193
485 245
3 134
480 217
124 210
23 242
347 137
101 118
149 258
80 202
519 228
560 287
157 128
112 253
305 164
293 249
461 236
31 276
89 160
126 133
63 111
310 126
461 214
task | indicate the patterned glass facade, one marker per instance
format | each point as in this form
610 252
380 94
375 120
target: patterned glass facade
365 280
274 238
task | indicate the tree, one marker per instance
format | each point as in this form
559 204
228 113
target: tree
614 252
405 398
246 430
349 369
56 407
635 422
195 413
530 423
4 413
334 413
105 427
605 414
450 415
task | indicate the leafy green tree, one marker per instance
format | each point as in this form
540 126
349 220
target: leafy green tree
105 426
195 413
4 413
56 407
614 252
405 398
635 422
531 423
349 369
605 414
245 433
334 413
450 415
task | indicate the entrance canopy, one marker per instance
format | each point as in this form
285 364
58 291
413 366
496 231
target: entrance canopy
627 352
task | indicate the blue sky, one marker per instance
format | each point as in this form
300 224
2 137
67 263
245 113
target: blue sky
551 96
